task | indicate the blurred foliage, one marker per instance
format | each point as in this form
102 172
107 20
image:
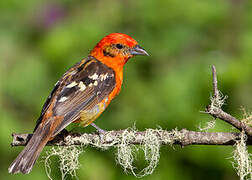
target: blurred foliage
39 40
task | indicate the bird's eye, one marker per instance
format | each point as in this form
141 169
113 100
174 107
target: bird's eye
119 46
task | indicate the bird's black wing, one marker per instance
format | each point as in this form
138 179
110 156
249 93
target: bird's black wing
81 88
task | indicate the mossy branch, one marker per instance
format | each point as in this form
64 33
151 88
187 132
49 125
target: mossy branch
214 109
111 138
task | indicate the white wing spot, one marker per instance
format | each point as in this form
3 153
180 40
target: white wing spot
94 76
95 83
90 85
82 86
103 76
71 85
63 99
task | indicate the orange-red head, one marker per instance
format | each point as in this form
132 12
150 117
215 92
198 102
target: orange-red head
115 49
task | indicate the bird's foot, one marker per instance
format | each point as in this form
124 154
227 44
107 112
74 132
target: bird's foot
101 132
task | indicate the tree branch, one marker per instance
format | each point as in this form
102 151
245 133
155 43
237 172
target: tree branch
111 138
215 87
215 110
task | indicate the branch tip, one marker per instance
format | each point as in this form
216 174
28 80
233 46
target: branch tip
214 109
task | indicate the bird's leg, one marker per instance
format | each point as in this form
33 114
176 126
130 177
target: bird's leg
100 131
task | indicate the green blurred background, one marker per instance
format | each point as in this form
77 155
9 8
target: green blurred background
40 40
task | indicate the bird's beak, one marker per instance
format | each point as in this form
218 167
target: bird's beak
138 50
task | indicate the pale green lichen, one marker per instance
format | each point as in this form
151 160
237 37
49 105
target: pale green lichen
247 117
207 126
68 160
150 145
242 159
125 155
217 102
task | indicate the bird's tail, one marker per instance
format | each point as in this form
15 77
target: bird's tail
27 158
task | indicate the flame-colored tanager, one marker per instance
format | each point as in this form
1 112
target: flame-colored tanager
81 94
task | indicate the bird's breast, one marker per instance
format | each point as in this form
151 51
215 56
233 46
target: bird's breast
117 89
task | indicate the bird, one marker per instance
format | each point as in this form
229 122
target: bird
81 95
